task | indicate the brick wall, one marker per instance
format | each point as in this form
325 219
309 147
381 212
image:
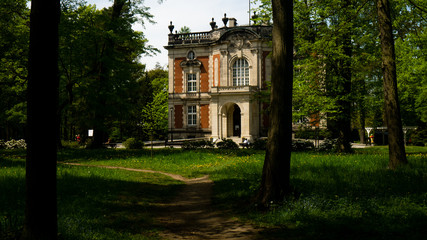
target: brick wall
204 115
204 74
178 116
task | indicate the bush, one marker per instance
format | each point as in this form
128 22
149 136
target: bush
133 143
308 133
419 137
13 144
302 145
191 145
259 144
227 144
70 144
327 145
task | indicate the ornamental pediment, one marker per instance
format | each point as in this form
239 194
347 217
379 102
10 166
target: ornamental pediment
190 63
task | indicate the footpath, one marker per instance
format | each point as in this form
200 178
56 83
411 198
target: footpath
190 215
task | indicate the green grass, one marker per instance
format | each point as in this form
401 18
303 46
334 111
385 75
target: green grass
339 196
93 203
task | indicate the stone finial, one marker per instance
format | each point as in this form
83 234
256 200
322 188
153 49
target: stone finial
213 24
225 20
171 27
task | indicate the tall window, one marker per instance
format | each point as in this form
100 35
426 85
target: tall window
191 82
240 72
191 116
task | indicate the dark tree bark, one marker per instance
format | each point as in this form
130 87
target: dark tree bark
276 171
391 108
42 130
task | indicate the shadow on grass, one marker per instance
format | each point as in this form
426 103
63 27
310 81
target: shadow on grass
93 203
336 202
93 206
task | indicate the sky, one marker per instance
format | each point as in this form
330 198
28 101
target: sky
195 14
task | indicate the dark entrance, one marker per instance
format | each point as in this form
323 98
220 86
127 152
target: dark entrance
237 128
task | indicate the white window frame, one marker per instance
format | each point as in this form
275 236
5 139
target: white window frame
240 72
191 82
192 115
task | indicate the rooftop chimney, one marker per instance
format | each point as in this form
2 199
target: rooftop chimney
232 22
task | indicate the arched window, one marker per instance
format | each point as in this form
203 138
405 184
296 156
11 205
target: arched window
240 72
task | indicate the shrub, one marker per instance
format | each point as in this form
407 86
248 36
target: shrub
227 144
302 145
191 145
308 133
70 144
419 137
133 143
327 145
259 144
14 144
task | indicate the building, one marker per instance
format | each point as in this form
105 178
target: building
213 77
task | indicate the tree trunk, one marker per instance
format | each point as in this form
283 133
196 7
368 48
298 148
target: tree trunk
345 72
42 120
100 134
276 171
391 109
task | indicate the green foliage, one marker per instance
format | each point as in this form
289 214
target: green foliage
308 133
321 26
419 137
227 144
13 144
259 144
200 144
133 143
155 115
14 42
184 29
302 145
102 78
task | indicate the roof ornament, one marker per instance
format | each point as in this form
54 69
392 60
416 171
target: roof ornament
225 20
213 24
171 27
255 18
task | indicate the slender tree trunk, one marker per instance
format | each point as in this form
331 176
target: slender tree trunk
100 129
276 171
391 109
42 120
345 72
339 82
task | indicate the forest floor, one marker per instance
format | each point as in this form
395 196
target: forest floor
191 215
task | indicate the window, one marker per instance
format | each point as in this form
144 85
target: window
192 116
191 82
191 55
240 72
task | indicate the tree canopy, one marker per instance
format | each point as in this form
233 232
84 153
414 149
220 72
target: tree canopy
333 36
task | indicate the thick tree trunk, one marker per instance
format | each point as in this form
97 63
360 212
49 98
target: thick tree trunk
391 109
276 171
42 120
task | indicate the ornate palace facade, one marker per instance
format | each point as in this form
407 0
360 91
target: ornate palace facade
213 77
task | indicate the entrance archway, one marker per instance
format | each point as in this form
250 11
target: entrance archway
237 123
231 125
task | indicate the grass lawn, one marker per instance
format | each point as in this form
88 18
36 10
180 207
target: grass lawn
339 196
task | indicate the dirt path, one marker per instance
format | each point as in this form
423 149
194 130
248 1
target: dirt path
190 214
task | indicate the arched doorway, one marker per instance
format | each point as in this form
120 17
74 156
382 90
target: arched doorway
237 123
231 120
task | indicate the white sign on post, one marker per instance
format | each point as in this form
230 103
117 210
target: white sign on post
90 133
